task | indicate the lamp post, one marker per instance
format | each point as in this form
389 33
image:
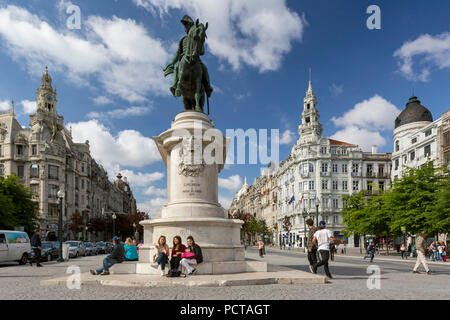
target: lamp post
305 215
85 233
114 217
317 212
134 228
60 232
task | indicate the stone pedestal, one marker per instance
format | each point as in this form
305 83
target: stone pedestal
194 154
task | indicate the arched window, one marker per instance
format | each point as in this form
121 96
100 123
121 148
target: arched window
397 145
34 171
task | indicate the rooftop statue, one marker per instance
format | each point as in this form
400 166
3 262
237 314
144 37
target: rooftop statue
191 78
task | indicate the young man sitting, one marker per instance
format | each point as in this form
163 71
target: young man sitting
117 255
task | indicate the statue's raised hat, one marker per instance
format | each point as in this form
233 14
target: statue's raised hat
186 19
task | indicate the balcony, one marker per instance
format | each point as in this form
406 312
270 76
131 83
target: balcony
20 157
325 174
371 174
304 175
356 174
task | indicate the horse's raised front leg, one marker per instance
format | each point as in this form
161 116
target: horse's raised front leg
198 93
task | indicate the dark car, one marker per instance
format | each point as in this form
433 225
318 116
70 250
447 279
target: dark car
91 249
49 251
109 247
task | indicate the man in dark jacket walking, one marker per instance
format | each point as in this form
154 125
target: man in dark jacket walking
117 255
312 247
36 246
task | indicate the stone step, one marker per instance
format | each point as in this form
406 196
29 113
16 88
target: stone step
126 267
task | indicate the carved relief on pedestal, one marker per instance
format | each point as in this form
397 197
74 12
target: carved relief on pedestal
191 158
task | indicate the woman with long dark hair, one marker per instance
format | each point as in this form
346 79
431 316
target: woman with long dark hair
192 256
177 250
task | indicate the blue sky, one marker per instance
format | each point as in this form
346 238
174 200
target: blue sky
111 89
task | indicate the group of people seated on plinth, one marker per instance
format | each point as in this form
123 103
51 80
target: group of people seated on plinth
180 254
186 256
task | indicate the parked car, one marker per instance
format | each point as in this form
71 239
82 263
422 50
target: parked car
101 247
109 247
49 250
14 246
77 248
91 249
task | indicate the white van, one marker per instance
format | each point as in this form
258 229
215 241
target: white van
14 246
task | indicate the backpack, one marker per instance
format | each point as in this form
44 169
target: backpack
175 273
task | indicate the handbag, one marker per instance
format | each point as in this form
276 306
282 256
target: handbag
188 255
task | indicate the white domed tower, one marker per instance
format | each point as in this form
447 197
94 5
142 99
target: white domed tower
46 96
310 130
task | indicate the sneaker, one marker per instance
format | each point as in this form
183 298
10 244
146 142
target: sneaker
428 272
155 265
163 273
105 273
329 277
93 272
39 265
314 270
192 272
416 271
311 269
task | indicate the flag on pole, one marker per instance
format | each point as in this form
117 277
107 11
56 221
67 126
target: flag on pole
292 200
301 199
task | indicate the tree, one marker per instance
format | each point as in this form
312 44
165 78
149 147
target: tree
16 206
254 227
246 217
287 224
76 223
441 212
136 217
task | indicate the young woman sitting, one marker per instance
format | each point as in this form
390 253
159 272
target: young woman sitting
131 253
177 250
192 256
162 254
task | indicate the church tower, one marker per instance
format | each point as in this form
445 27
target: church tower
46 96
310 130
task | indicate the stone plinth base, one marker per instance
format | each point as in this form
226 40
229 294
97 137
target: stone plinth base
206 268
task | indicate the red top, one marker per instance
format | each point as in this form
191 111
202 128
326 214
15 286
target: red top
182 249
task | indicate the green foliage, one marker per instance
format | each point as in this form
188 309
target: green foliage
419 201
16 205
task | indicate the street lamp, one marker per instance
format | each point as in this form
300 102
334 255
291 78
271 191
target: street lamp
305 215
134 228
85 233
114 217
60 216
317 212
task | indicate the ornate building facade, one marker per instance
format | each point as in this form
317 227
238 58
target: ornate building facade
46 159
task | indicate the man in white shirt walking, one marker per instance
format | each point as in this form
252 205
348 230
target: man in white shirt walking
322 238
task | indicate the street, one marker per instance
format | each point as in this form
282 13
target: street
350 282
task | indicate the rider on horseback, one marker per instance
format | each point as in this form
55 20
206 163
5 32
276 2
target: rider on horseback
182 50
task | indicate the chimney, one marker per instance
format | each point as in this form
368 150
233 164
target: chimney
374 149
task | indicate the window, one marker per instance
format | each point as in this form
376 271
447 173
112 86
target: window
76 199
335 185
335 168
325 218
344 185
20 171
311 167
335 204
2 169
1 149
77 183
311 185
355 185
405 159
324 184
34 149
344 168
396 164
355 168
397 146
323 150
414 140
53 191
82 184
381 185
19 150
305 185
53 172
381 170
336 219
428 133
427 150
324 167
34 189
34 171
344 151
53 210
412 156
82 167
370 186
369 170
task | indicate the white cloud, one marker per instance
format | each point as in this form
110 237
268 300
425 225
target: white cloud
5 105
120 113
232 183
287 137
118 52
129 148
29 107
153 191
102 100
432 50
225 202
152 206
254 32
364 124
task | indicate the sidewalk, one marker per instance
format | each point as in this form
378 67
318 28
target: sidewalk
353 253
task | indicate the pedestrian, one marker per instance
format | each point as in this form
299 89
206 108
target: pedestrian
36 246
440 251
403 251
260 245
322 239
177 250
312 247
192 256
117 255
432 250
444 252
421 246
370 252
161 258
332 250
131 253
409 250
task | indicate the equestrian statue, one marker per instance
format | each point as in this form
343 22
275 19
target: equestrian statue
191 78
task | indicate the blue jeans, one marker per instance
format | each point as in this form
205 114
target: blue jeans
107 263
162 260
